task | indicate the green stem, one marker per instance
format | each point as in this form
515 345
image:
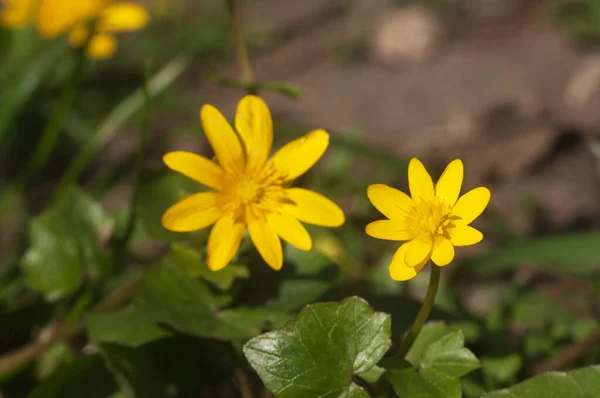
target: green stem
49 137
247 75
411 336
139 171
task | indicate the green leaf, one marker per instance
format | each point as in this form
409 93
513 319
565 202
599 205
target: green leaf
441 362
428 383
53 358
169 296
430 332
449 355
85 377
575 253
64 246
195 267
134 371
502 369
157 194
319 353
290 90
124 326
580 383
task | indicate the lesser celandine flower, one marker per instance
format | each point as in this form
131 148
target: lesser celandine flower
431 223
249 189
16 13
55 17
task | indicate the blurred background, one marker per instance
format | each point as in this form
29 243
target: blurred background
512 87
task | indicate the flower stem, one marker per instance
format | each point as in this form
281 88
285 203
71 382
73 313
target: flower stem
123 240
411 336
247 75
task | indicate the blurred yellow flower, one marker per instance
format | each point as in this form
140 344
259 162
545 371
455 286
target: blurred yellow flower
249 189
55 17
16 13
432 223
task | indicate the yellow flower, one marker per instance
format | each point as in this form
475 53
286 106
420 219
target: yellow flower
16 13
58 16
250 190
432 223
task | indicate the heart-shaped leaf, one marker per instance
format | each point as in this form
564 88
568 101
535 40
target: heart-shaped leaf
319 353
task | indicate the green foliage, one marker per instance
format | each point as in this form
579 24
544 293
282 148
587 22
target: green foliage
438 358
65 246
128 327
580 383
195 267
98 299
320 352
581 18
574 253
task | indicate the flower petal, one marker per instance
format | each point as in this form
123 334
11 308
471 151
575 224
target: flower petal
296 157
388 230
313 208
471 205
464 235
448 186
78 35
196 167
102 46
223 140
265 239
192 213
418 250
398 269
443 251
290 230
123 17
392 203
55 17
253 123
16 13
419 182
224 241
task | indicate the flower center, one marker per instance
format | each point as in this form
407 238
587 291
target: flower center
248 191
431 218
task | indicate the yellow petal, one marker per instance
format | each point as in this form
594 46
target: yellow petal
295 158
253 123
224 241
196 167
471 205
398 269
443 251
464 235
418 250
192 213
78 35
388 230
313 208
392 203
102 46
55 17
123 17
290 230
419 182
16 13
223 140
448 186
265 239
